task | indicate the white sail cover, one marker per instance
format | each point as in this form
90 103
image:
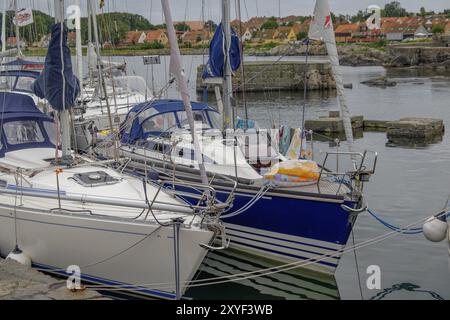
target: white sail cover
321 28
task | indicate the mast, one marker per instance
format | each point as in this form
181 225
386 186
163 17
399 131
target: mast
228 120
3 39
89 43
101 81
17 29
78 47
177 70
64 116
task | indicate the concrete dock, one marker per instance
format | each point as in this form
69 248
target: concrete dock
283 75
18 282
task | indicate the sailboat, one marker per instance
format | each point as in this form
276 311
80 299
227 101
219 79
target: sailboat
309 220
122 90
58 209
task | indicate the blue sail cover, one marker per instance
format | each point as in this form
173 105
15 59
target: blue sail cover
216 63
50 84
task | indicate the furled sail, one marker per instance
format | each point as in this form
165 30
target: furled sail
321 28
57 83
216 63
177 71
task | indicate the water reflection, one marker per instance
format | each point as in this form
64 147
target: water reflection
414 143
297 284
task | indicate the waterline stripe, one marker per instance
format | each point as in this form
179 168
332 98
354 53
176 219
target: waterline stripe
236 228
125 286
315 261
286 247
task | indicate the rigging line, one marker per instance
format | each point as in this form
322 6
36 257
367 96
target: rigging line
305 89
241 34
296 264
356 264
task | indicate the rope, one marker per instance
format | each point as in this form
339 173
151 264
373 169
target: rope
249 204
277 269
412 231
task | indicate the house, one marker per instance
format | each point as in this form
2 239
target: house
345 32
302 27
401 28
193 25
12 42
255 23
447 29
247 35
286 34
265 35
135 37
421 33
159 36
289 20
200 37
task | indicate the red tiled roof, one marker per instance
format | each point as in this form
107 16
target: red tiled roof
348 28
154 35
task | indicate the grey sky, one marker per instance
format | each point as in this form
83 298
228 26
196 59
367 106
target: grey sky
192 9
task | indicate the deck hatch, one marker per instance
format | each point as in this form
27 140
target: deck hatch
94 179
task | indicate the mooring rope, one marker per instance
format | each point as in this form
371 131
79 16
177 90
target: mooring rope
272 270
390 226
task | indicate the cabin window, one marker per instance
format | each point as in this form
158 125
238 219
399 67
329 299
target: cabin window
6 82
214 117
199 116
129 122
18 132
51 131
25 84
160 123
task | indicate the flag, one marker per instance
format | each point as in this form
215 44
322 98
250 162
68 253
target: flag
102 4
23 17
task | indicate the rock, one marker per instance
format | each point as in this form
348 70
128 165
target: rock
415 128
348 85
381 82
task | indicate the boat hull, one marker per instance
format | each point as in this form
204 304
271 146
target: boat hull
288 227
123 254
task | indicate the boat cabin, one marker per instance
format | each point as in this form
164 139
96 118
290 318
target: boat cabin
23 125
18 81
161 117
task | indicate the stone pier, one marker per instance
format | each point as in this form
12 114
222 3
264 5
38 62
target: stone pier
18 282
285 76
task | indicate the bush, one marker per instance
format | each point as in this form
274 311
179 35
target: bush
152 45
438 29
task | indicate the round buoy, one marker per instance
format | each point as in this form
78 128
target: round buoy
20 257
435 229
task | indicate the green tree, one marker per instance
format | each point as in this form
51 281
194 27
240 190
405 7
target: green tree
302 35
394 9
271 23
182 27
359 17
423 12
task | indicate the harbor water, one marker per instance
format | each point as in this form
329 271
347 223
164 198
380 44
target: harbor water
411 183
